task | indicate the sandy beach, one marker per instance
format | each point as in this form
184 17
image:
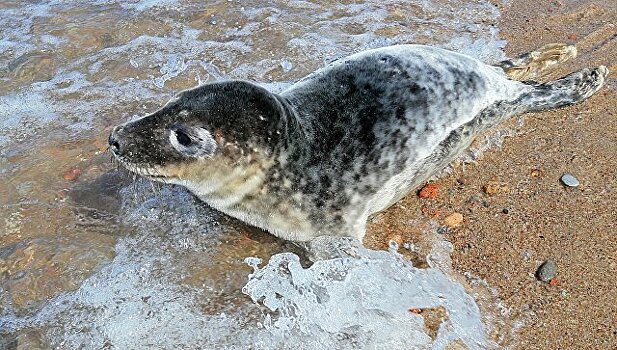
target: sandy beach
528 216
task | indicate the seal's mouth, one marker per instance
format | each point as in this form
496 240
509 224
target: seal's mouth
155 173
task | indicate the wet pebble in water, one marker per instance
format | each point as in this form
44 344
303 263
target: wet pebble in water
546 271
570 180
286 65
72 174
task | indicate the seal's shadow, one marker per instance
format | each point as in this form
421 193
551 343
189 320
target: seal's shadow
97 203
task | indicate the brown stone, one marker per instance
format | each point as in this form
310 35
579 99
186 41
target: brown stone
454 220
429 191
493 188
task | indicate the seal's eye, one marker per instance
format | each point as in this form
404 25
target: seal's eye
192 141
182 138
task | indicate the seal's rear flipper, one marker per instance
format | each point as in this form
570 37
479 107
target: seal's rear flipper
537 63
566 91
571 89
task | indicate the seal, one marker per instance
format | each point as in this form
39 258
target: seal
341 144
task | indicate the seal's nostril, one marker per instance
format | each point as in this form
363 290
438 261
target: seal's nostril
114 145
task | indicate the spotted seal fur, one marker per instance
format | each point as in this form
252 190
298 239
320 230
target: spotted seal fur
339 145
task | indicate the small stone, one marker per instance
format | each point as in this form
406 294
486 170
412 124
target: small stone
454 220
505 211
569 180
443 230
536 173
547 271
72 174
495 187
462 181
286 65
429 191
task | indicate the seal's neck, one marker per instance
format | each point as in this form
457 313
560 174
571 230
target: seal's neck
293 127
225 187
247 194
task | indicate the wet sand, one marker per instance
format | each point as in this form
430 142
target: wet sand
531 217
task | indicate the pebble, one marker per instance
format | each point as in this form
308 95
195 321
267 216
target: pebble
569 180
454 220
394 238
536 172
72 174
429 190
462 181
286 65
393 246
526 254
495 187
443 230
546 271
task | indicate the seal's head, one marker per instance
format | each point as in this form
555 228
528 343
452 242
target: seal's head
203 136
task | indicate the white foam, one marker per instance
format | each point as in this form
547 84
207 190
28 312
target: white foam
362 302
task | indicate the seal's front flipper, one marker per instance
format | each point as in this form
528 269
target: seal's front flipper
331 247
537 63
